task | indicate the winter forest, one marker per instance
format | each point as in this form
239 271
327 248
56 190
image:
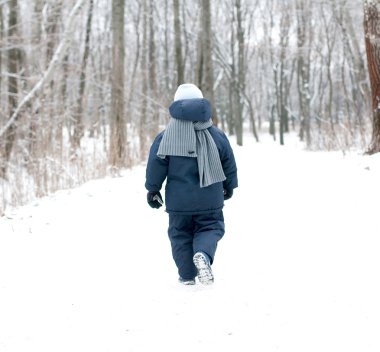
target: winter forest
85 84
86 264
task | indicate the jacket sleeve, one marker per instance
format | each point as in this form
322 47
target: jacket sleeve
229 165
157 168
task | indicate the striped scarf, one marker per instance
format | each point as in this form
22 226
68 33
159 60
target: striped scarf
192 139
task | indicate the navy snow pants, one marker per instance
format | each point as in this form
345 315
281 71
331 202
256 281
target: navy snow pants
189 234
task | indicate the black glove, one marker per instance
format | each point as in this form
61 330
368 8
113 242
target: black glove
154 199
228 193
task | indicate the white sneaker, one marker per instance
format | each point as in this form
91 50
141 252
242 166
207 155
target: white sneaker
203 266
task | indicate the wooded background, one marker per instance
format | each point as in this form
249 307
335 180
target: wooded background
85 85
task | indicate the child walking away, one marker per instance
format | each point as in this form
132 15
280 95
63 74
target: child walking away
198 163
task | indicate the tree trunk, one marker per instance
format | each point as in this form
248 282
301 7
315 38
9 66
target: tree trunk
178 43
131 91
252 119
233 110
13 68
33 120
372 41
153 125
52 29
118 128
166 41
207 76
78 116
1 40
272 104
240 75
303 73
143 132
330 44
283 85
230 108
357 74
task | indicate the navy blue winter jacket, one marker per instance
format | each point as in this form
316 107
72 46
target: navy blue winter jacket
183 194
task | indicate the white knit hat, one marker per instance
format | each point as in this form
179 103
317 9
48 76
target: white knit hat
187 91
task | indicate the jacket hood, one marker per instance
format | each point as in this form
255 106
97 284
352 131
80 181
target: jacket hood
191 109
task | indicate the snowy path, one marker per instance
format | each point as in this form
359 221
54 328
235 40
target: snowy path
298 270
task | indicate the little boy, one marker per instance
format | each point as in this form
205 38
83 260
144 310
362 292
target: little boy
198 163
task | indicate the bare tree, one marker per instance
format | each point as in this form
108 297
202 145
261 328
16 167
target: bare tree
153 125
372 41
145 82
136 18
118 128
241 71
54 13
13 71
303 68
205 61
178 43
78 126
166 46
48 73
1 40
330 41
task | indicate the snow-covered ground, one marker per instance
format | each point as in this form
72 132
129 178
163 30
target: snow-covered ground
298 270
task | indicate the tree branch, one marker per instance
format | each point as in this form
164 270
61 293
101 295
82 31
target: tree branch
55 61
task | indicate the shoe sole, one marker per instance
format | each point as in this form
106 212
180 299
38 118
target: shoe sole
187 282
205 275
